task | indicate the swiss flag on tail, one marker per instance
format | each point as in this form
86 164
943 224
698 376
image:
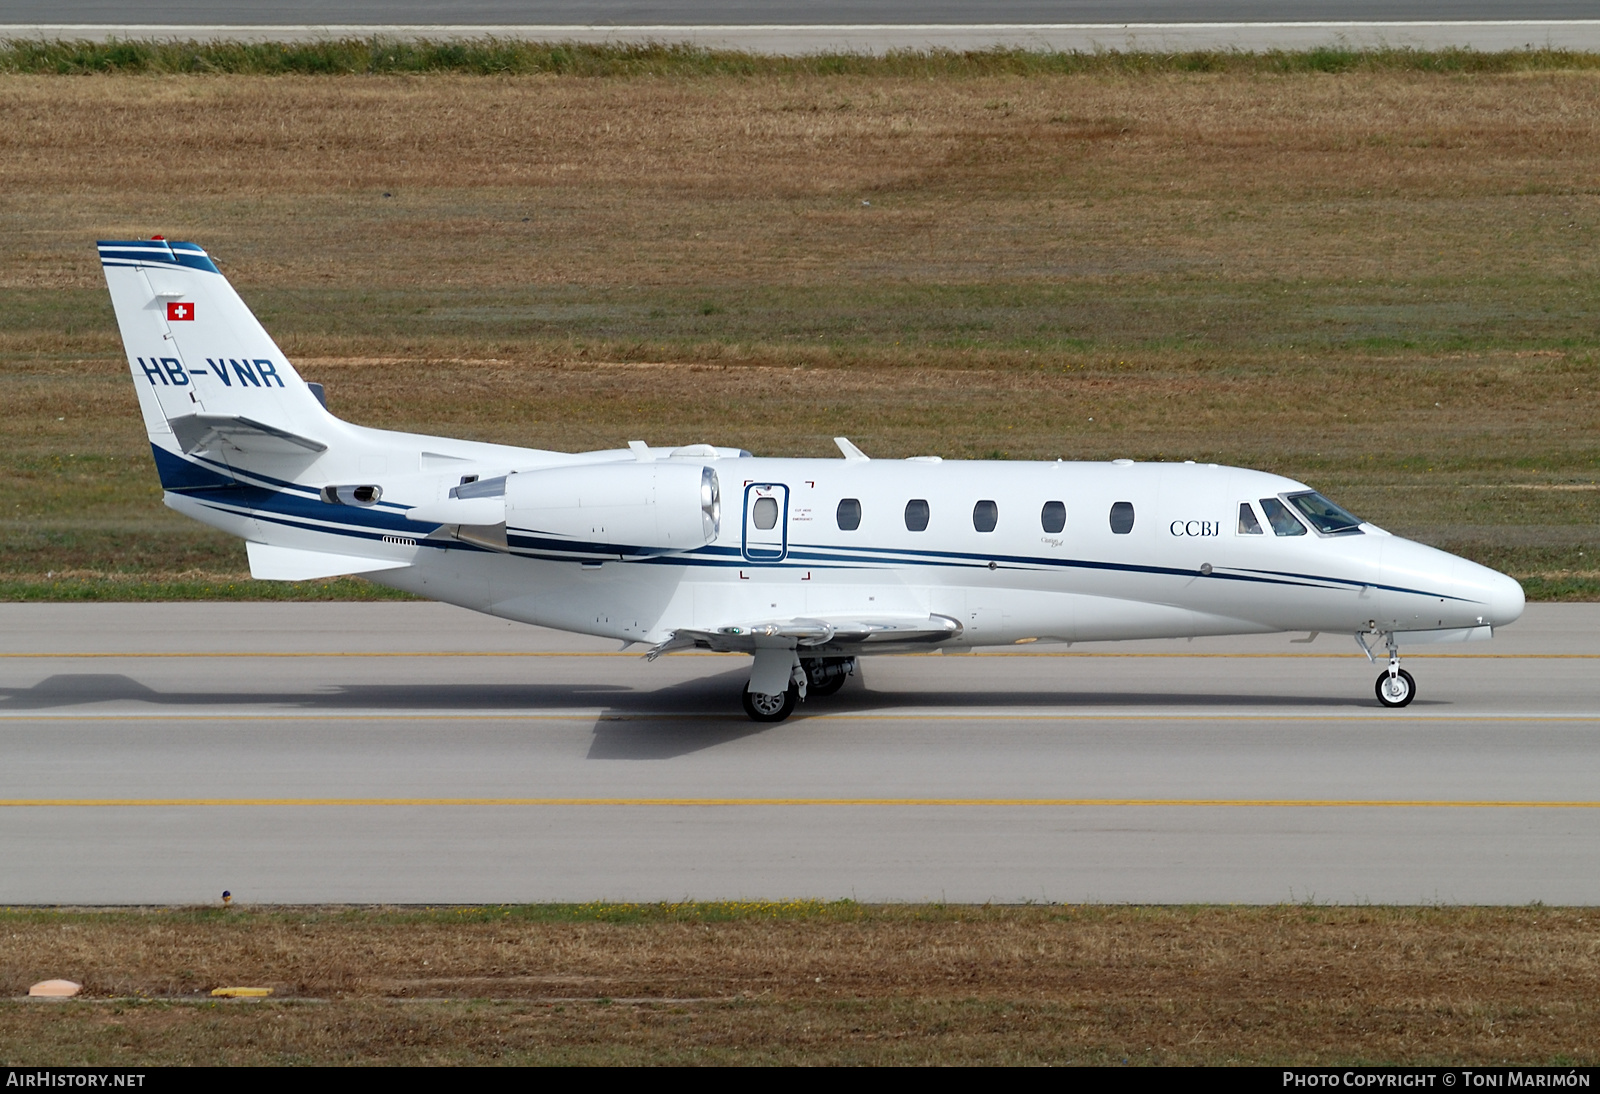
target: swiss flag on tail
179 309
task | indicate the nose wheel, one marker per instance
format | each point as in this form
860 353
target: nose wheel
1396 689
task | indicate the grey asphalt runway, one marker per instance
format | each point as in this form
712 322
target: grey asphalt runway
419 753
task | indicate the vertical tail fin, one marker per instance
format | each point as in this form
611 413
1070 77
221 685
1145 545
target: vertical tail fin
203 365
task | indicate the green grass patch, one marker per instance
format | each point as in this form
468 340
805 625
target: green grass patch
1537 587
135 587
490 56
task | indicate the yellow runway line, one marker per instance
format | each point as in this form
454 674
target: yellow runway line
700 803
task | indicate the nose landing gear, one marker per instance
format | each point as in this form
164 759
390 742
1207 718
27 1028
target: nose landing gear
1395 687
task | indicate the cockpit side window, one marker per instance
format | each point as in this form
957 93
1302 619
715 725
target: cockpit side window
1248 524
1325 516
1282 521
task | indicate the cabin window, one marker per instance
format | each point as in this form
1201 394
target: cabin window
849 515
764 513
1248 524
1053 517
1282 521
1325 516
917 515
1122 518
985 515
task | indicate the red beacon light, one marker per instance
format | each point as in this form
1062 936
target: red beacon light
159 237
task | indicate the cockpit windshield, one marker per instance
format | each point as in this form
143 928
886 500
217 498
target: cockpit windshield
1325 516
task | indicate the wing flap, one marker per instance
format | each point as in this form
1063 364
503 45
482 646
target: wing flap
813 634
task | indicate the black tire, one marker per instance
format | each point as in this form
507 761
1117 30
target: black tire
1392 698
820 684
761 708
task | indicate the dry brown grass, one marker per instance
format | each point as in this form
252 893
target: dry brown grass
1379 281
832 984
705 181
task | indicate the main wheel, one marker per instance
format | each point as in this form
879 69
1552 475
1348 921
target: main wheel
770 708
1396 691
824 676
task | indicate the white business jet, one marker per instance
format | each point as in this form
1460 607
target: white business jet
806 564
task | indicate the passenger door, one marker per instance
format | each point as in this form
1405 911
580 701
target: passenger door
766 522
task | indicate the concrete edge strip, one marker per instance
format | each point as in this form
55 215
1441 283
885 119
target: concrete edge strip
700 803
798 39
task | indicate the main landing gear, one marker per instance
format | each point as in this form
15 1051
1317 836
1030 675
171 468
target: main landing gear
1395 687
821 676
770 708
827 675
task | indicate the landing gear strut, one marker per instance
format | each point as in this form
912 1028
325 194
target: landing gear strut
828 674
1395 687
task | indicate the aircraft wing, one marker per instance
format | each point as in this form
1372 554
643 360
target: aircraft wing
818 635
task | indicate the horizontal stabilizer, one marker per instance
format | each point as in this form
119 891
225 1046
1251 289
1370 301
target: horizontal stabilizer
271 563
199 432
461 511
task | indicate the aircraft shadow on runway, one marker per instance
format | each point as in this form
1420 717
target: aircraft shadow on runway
634 724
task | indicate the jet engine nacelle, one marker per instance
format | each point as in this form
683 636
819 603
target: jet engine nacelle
624 508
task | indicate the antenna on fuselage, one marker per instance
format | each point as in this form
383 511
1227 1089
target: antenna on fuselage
851 452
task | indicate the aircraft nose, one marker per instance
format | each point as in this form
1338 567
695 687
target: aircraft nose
1501 596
